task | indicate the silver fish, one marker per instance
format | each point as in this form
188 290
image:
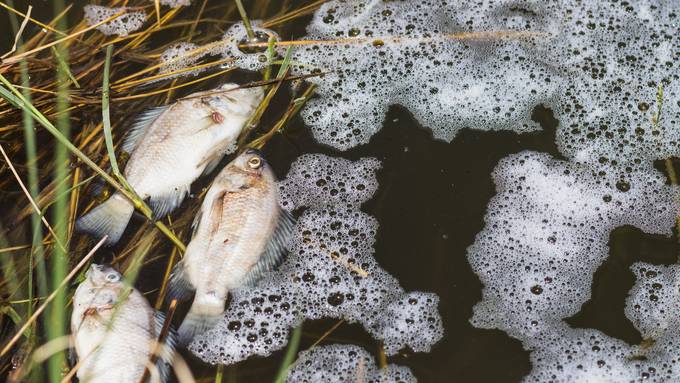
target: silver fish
240 232
169 148
114 334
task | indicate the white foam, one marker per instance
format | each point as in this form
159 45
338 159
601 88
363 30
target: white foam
546 233
447 83
235 35
344 363
122 25
180 56
329 273
176 3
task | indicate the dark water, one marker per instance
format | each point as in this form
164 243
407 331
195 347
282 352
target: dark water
430 205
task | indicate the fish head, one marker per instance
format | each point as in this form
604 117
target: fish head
97 295
248 169
230 99
104 276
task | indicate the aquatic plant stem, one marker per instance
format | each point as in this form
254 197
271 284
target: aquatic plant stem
106 118
37 252
292 110
291 353
246 22
56 314
219 373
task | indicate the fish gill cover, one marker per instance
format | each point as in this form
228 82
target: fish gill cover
330 272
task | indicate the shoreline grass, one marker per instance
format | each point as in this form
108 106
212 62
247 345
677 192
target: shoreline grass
66 153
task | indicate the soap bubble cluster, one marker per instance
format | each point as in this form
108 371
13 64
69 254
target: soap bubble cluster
250 58
123 25
596 64
330 272
317 182
428 56
344 363
180 56
546 233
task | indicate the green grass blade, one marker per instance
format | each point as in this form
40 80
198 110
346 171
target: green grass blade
56 315
36 254
244 17
219 373
291 353
12 99
106 118
63 66
286 63
270 58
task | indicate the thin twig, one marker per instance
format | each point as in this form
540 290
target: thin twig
30 199
161 339
49 28
19 33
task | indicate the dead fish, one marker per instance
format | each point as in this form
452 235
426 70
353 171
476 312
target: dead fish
240 233
114 331
169 148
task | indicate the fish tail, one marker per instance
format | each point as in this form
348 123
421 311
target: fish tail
110 218
201 318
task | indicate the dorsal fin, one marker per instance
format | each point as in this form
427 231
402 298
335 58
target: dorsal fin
275 251
164 360
138 129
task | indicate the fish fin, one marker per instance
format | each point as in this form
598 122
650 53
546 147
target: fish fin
72 356
216 211
196 222
179 287
110 218
275 251
201 318
165 203
212 158
166 354
212 163
140 126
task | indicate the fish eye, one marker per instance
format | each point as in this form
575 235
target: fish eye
254 162
112 277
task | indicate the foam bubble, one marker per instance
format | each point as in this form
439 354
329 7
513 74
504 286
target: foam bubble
545 234
316 181
329 273
176 3
121 25
180 56
597 64
235 35
344 363
448 83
